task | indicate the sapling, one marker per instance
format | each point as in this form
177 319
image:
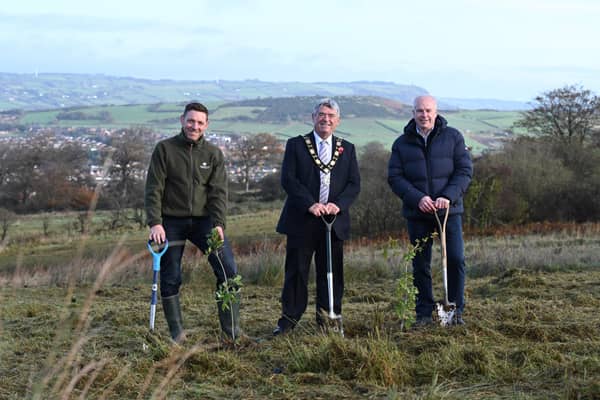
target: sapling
227 292
406 292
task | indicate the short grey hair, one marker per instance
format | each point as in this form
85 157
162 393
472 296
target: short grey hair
327 102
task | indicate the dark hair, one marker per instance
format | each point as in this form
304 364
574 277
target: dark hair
196 107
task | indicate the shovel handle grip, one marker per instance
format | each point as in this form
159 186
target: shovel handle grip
328 219
156 255
441 225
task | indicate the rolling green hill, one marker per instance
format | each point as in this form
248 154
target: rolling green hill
50 91
364 118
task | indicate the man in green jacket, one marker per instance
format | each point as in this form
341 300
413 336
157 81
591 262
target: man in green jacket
185 198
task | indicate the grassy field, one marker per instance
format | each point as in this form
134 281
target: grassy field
27 247
232 112
479 127
79 330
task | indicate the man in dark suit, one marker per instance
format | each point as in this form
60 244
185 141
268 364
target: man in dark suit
320 176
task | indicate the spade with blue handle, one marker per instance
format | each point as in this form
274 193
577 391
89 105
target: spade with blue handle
156 255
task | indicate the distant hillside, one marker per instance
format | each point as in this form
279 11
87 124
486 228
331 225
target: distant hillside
287 109
482 104
52 91
364 119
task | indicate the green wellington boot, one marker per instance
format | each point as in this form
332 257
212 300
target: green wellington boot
230 319
172 311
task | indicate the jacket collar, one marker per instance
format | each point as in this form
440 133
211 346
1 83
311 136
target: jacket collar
184 139
440 124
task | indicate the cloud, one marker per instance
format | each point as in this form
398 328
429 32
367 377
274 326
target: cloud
97 24
509 49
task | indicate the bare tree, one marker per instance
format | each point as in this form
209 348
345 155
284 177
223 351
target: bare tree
377 210
130 152
42 174
5 160
46 224
63 171
7 218
270 187
8 163
23 177
531 180
83 222
570 114
254 153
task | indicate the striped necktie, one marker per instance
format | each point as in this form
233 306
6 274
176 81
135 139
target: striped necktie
325 157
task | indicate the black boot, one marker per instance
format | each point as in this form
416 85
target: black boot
458 319
172 311
229 317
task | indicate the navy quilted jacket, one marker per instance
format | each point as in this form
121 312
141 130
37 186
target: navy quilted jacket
443 168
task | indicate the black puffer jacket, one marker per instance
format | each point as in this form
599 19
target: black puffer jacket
443 168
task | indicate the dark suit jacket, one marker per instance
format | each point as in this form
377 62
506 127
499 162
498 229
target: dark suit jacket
300 180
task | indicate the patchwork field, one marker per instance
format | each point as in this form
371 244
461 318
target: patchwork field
482 129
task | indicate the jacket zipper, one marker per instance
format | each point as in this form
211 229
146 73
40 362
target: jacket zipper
427 164
191 197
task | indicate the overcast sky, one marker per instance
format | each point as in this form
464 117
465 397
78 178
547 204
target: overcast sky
508 49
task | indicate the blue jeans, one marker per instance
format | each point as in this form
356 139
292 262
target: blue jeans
422 229
194 229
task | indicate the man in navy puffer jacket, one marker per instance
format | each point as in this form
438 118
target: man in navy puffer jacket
430 169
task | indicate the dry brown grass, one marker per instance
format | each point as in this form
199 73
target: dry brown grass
532 333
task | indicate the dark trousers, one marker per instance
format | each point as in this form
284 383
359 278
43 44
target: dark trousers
422 229
299 253
194 229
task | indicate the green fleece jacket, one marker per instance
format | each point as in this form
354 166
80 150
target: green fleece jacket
186 179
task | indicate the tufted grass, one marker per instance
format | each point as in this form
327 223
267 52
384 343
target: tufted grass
80 331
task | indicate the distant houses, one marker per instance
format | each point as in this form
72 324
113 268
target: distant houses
94 140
